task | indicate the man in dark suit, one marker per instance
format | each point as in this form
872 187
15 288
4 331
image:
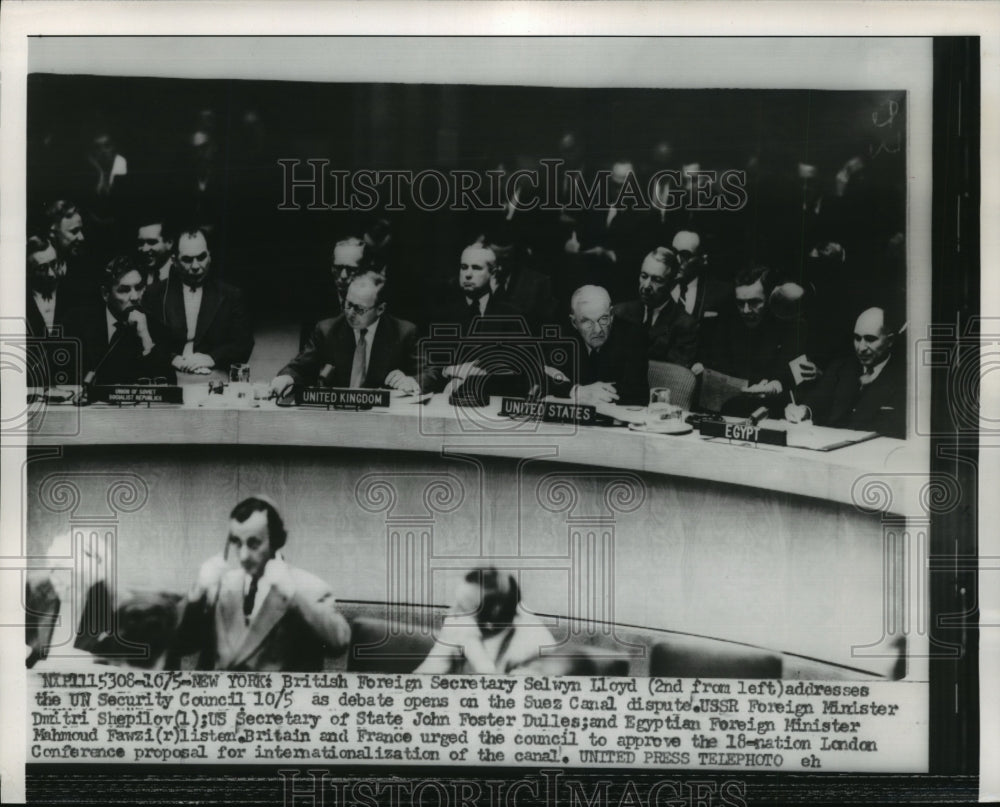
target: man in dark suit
206 323
471 328
866 391
155 247
672 332
749 341
120 342
701 296
363 347
66 234
264 614
610 365
517 284
45 308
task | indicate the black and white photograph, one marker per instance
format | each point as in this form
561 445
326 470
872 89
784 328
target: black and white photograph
495 418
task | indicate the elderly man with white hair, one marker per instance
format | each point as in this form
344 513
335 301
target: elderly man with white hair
610 365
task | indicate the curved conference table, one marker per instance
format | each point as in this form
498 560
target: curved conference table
786 548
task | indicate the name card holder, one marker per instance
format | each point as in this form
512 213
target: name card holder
136 394
550 411
743 433
342 398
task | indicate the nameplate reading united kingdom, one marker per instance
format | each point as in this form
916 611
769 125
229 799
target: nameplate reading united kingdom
136 394
548 411
743 433
342 397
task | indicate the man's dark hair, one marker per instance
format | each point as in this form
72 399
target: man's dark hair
500 595
667 257
275 526
36 243
751 274
146 217
117 268
58 210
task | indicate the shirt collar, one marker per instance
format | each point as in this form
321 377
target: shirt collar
370 331
876 370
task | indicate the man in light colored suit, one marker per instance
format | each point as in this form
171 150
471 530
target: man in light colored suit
262 614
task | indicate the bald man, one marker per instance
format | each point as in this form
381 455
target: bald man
363 347
866 391
610 364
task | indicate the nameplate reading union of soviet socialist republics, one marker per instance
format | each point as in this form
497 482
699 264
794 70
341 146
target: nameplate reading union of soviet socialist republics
548 411
342 397
136 394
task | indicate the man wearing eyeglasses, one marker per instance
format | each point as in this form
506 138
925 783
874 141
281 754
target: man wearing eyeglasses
751 343
610 365
207 324
363 347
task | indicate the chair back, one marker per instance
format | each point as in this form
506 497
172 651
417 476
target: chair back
679 380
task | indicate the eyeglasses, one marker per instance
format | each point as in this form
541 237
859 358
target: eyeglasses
590 324
359 310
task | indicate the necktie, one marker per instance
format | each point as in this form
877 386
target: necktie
682 294
358 369
646 318
250 598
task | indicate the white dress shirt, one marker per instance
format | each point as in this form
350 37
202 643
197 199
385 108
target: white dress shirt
47 308
192 306
689 296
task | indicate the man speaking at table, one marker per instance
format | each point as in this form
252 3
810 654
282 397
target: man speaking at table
610 365
363 347
262 614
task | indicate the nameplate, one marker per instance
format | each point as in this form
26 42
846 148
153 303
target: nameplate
548 411
744 433
342 397
136 394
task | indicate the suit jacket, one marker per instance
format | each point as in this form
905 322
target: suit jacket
837 398
714 299
36 324
122 361
672 338
394 347
756 354
285 635
223 328
621 361
531 292
470 330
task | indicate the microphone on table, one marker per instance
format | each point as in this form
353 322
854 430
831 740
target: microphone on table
88 379
325 374
758 415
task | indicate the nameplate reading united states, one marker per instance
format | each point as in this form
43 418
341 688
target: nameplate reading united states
548 411
342 397
744 433
137 394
